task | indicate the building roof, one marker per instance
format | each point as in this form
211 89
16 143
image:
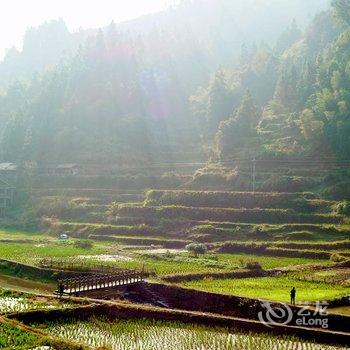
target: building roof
8 167
67 166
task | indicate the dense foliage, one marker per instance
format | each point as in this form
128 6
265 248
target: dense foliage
302 95
129 96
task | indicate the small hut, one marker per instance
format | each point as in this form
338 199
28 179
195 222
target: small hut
67 169
9 172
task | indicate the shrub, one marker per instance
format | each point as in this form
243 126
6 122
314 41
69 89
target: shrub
196 249
168 254
314 245
226 199
85 230
83 244
338 191
261 232
226 215
300 236
335 257
342 208
265 249
297 253
288 184
209 179
126 182
253 265
248 248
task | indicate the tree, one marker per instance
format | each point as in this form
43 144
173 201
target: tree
244 55
342 10
291 35
196 249
11 142
313 131
286 88
247 115
236 132
306 84
260 75
111 35
218 107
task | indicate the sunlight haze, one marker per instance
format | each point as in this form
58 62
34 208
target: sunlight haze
16 16
175 174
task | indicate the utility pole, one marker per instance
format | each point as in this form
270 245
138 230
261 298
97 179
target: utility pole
254 174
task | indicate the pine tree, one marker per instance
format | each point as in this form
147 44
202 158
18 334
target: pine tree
111 35
286 88
238 131
219 107
291 35
342 10
244 55
247 115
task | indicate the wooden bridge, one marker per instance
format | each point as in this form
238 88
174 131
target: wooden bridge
98 281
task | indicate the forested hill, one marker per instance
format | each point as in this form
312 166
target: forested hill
212 31
193 82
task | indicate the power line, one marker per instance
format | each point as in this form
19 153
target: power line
226 162
254 169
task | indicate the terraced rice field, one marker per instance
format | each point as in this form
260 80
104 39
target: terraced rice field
11 301
173 220
14 338
157 335
11 304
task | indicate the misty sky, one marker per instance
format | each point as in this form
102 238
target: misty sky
17 15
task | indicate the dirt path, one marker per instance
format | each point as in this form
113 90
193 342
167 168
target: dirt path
23 285
340 310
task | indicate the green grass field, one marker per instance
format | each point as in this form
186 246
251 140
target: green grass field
182 263
268 262
163 264
31 252
179 263
272 288
20 235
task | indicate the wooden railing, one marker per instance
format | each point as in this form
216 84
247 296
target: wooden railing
79 265
95 282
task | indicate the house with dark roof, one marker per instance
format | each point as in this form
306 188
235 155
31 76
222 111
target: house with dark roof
67 169
9 172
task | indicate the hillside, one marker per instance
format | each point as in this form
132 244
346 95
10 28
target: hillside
123 104
179 181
